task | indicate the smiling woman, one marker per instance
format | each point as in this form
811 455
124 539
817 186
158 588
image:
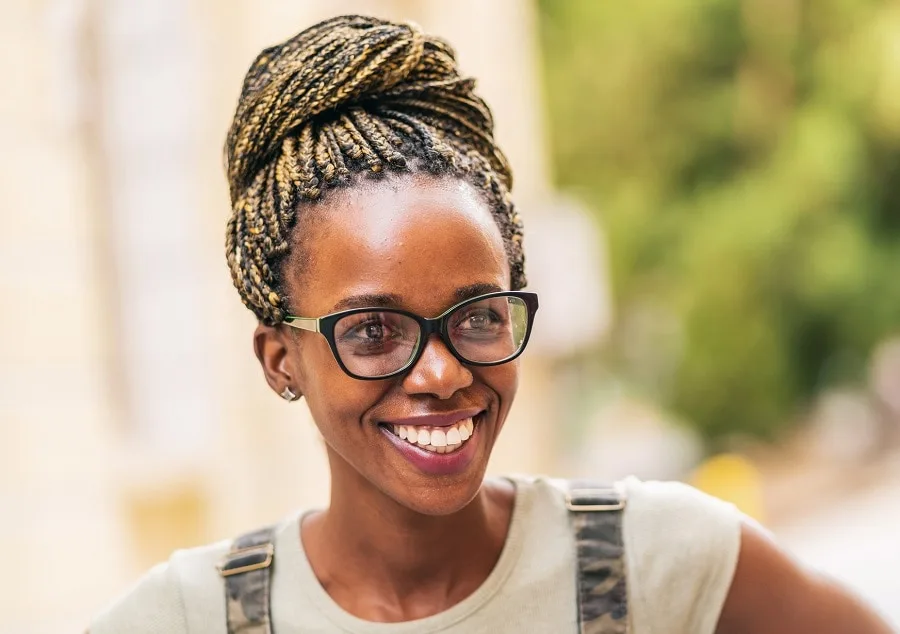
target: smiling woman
374 237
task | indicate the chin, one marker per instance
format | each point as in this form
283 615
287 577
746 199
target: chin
442 498
442 481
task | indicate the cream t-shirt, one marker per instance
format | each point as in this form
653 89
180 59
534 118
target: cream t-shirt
681 550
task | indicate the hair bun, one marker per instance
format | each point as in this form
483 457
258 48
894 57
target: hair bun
350 96
332 66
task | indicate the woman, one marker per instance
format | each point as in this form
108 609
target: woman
374 237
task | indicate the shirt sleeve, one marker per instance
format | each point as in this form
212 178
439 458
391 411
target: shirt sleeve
152 606
681 549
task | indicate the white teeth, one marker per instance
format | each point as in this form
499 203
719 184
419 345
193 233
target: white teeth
443 440
438 438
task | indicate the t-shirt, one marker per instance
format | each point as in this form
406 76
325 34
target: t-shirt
681 549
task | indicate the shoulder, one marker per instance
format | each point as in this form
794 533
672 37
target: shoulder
650 505
682 548
653 505
157 603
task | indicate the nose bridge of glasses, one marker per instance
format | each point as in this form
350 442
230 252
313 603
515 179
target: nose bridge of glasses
432 333
430 327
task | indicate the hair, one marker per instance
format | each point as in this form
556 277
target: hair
348 97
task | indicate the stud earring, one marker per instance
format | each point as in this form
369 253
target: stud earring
288 394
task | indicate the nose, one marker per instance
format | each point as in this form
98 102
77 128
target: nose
437 372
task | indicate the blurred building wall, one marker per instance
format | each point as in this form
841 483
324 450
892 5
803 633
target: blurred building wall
134 416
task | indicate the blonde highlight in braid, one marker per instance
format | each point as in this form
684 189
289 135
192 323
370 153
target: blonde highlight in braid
350 96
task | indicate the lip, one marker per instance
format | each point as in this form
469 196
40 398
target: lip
437 464
436 420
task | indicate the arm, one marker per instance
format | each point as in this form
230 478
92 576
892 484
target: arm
772 594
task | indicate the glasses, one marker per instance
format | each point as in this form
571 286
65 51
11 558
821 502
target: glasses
380 343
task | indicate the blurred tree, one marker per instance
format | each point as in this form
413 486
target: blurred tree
745 158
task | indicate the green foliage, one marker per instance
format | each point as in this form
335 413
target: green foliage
744 156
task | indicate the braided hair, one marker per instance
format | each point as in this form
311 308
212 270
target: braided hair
348 97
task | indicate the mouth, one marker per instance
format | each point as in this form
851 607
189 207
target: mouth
437 449
441 440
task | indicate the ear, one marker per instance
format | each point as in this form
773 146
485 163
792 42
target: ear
276 352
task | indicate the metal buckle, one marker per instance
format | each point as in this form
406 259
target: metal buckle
267 551
586 507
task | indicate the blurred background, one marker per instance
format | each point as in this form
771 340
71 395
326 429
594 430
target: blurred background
711 191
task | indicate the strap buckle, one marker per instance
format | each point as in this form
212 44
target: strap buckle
594 500
247 559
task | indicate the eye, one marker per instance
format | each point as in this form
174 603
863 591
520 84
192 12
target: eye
369 329
478 319
372 330
371 336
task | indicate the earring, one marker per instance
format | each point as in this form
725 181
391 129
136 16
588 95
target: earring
288 394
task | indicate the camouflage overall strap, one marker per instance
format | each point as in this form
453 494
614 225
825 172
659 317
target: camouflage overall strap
595 513
247 570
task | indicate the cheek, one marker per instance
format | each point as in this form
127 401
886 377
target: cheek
504 381
336 401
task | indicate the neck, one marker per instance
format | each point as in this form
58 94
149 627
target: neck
366 543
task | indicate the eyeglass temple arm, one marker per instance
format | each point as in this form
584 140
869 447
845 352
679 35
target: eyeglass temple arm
303 323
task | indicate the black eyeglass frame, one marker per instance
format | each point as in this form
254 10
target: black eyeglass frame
427 327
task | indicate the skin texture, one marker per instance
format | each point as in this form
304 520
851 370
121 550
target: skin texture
388 547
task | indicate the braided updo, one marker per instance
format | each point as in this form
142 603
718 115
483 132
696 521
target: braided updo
350 96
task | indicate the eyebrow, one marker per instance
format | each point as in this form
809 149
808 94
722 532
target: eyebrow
366 300
390 300
474 290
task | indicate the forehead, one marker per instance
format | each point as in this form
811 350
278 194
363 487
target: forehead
417 237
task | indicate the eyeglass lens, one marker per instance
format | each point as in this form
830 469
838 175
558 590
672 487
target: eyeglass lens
378 343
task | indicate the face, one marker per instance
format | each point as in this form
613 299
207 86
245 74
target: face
421 244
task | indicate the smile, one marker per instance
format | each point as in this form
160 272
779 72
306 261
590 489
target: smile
437 445
436 439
